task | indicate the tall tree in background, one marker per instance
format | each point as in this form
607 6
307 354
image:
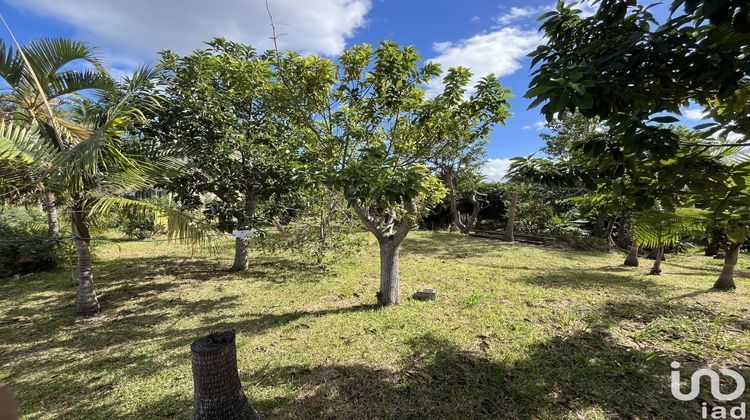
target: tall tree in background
41 82
221 117
374 130
458 162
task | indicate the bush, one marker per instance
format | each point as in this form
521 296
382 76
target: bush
25 244
583 242
140 226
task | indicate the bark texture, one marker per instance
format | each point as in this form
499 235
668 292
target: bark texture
511 218
389 279
390 233
632 258
726 278
656 269
217 391
86 301
50 207
240 255
241 261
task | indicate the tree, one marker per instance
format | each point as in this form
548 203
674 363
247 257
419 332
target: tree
92 172
221 115
458 162
42 82
373 131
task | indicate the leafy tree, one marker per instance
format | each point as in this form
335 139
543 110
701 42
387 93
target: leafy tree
41 84
221 115
92 172
458 162
373 130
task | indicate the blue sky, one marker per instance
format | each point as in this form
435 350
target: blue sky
486 36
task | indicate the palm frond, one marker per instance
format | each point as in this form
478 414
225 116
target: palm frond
69 82
655 228
48 55
181 227
11 65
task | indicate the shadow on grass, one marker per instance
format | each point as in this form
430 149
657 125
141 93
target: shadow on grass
591 278
565 375
560 377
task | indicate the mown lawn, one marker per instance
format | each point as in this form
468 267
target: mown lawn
517 332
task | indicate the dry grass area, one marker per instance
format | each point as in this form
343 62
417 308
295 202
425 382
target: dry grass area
517 332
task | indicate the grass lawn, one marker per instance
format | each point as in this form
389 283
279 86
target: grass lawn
518 331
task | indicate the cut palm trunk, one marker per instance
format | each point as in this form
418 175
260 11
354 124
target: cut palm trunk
656 269
632 258
217 391
726 278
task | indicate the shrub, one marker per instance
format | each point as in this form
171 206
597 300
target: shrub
583 242
140 226
25 244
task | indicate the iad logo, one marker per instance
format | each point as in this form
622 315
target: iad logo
718 412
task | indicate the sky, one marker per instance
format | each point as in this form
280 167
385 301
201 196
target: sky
484 35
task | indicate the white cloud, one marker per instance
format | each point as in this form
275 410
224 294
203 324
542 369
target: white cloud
494 170
500 52
518 13
136 29
538 126
694 113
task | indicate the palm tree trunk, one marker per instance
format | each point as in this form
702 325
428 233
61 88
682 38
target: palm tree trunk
389 278
511 218
656 269
86 301
726 278
632 259
217 390
50 207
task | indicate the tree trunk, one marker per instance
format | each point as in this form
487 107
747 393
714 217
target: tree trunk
600 225
217 390
608 231
511 218
389 279
715 243
86 302
654 251
240 255
279 227
241 244
632 259
50 207
656 269
726 278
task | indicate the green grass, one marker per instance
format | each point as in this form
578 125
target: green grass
517 332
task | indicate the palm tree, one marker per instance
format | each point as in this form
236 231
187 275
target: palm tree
41 81
95 169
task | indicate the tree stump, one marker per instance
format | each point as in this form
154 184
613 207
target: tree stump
217 391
